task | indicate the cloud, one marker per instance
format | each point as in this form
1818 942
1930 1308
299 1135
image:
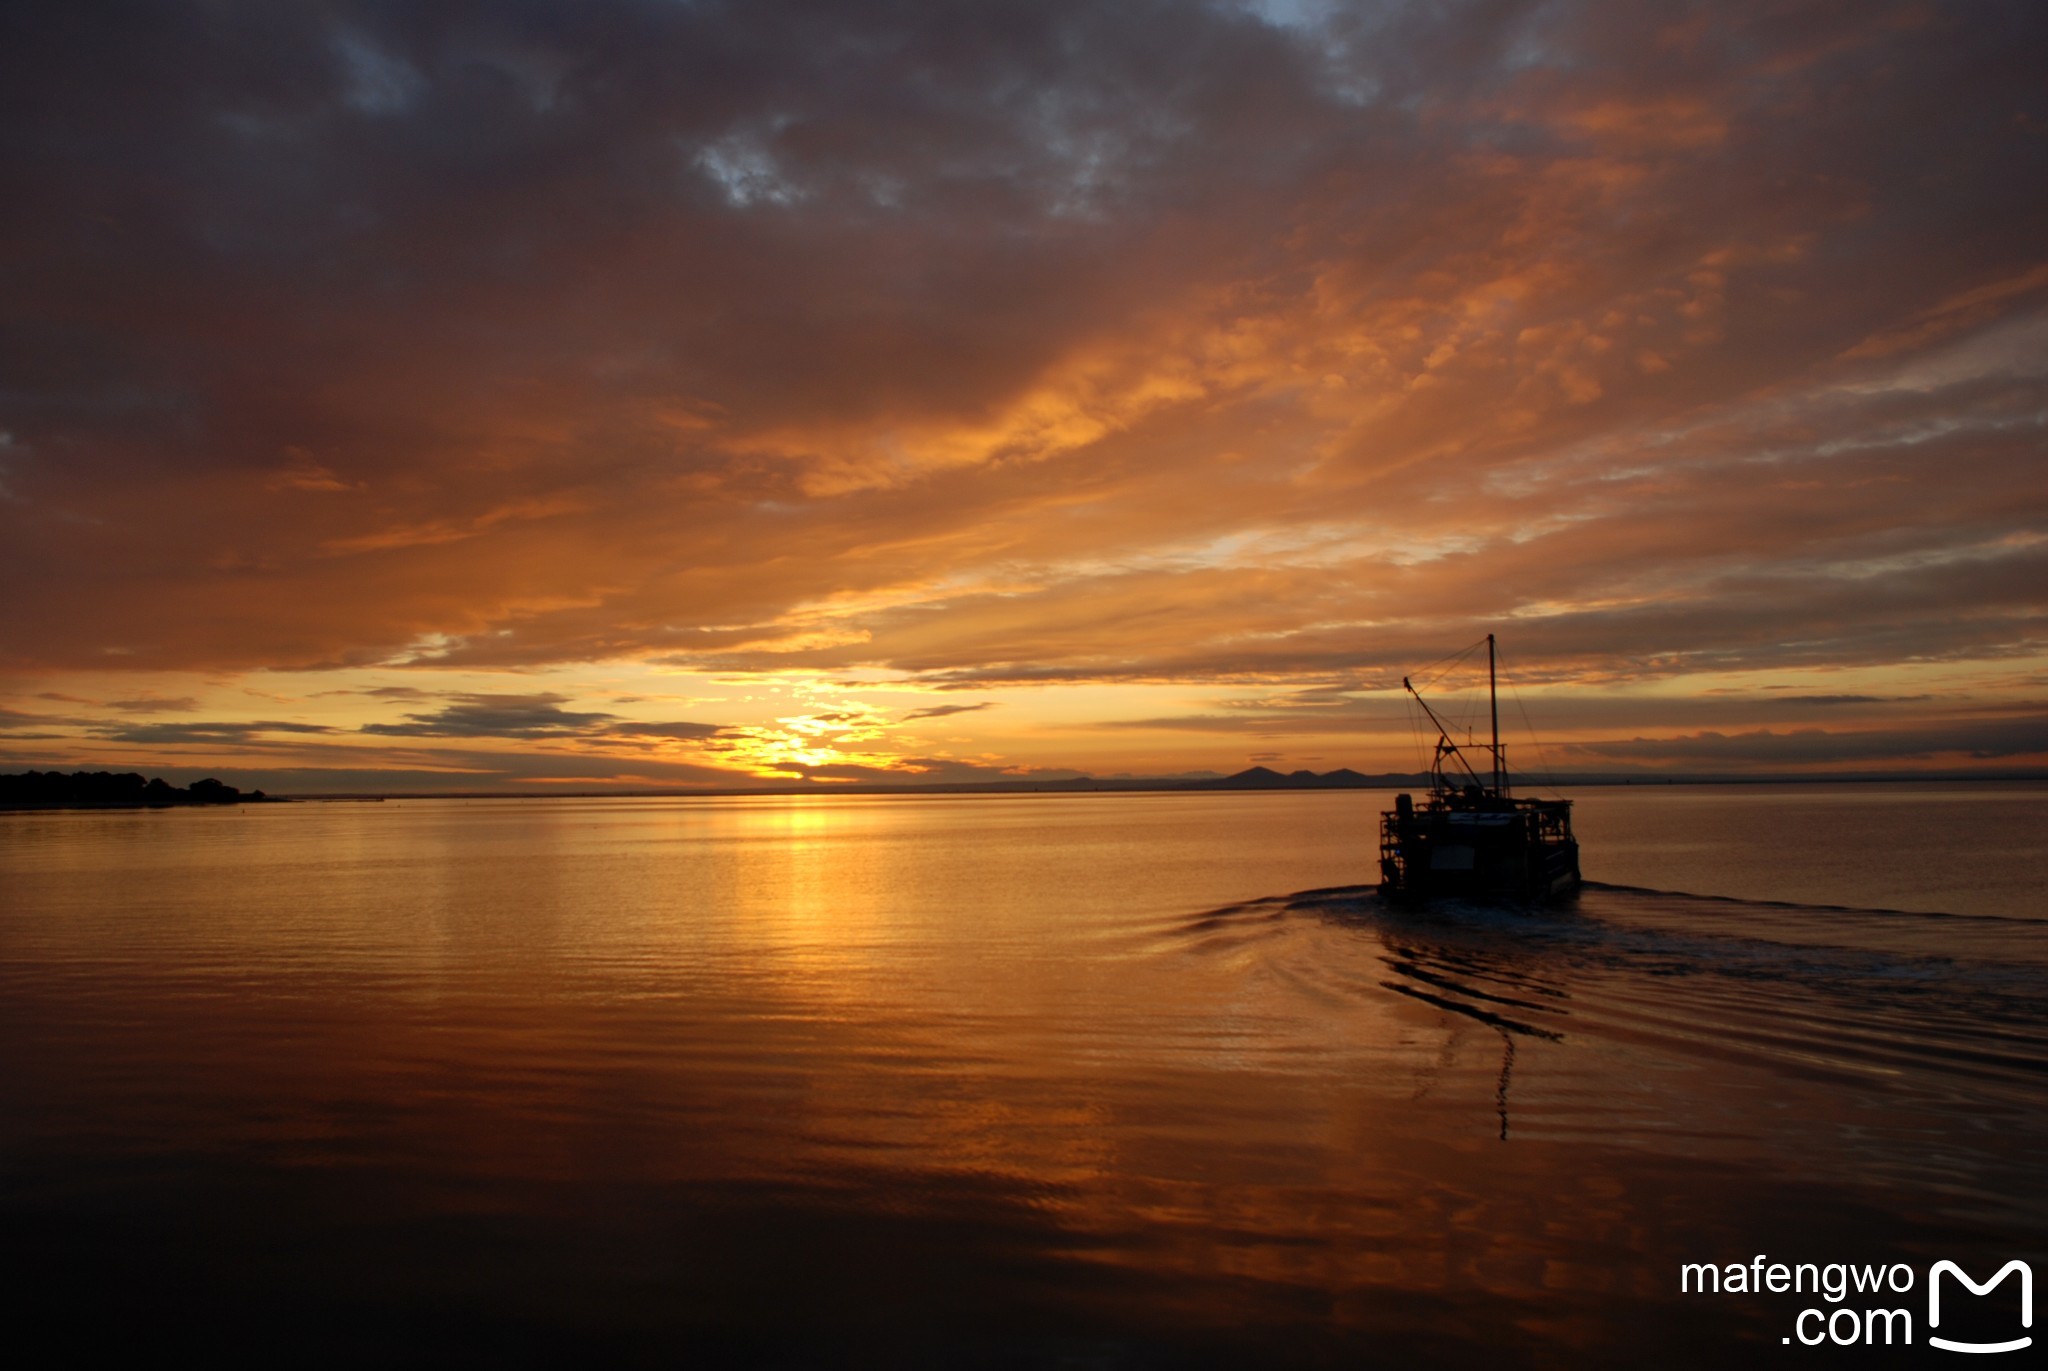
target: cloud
302 471
530 716
929 771
1071 346
215 733
682 731
943 711
1974 306
152 704
497 716
1984 740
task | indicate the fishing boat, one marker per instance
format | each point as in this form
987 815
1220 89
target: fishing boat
1471 837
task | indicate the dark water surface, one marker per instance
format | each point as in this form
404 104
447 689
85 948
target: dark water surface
1119 1080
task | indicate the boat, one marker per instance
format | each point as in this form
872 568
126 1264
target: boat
1472 837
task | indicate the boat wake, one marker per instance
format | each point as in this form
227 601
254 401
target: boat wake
1691 1022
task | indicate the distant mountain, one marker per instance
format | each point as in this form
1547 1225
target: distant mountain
1257 778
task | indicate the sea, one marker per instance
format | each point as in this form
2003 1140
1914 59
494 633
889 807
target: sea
1050 1080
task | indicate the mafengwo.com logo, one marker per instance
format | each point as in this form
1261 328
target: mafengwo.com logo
1873 1305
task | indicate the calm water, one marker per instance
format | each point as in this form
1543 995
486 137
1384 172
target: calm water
1119 1080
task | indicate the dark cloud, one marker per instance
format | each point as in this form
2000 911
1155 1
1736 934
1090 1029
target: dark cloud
461 772
684 731
218 733
942 711
26 726
498 716
529 716
154 705
1983 740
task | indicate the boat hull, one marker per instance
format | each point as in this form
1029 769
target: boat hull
1520 851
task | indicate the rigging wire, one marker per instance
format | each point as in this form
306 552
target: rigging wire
1458 715
1430 673
1547 778
1426 676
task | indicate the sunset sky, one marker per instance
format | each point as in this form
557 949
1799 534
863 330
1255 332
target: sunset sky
474 396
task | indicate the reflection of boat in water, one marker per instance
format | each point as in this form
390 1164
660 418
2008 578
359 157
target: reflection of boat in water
1471 837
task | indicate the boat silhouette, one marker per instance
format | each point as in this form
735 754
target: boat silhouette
1471 837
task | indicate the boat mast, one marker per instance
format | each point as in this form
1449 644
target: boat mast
1493 700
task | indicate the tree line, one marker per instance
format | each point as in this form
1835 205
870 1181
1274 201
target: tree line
107 789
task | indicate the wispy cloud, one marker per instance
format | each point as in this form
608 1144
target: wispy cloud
183 704
530 716
496 716
944 711
1984 740
225 733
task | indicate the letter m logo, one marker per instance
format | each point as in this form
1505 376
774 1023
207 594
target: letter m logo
2026 1304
